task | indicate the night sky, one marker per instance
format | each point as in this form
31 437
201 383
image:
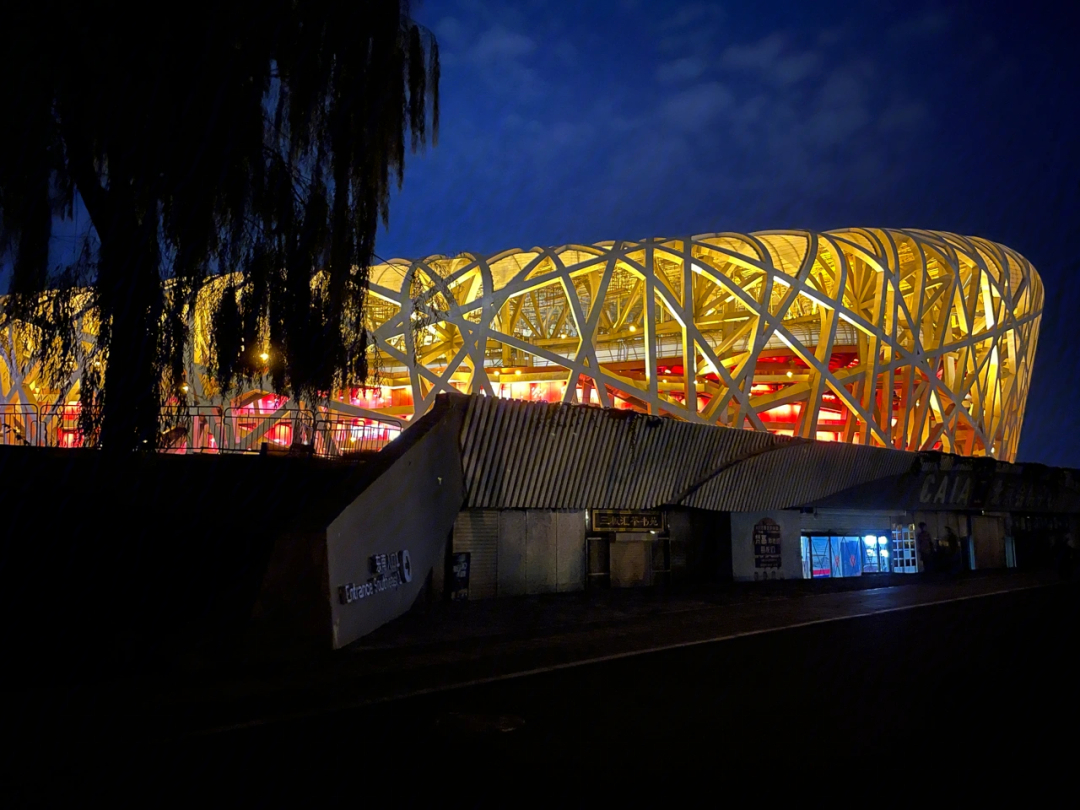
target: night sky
621 119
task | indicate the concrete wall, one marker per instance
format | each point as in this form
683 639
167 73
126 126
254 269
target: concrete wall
700 544
293 605
410 507
539 551
513 573
570 551
742 546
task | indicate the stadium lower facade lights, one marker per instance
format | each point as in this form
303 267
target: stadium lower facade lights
910 339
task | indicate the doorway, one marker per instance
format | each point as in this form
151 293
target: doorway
844 555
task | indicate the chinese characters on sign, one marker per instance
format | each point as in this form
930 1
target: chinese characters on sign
767 546
610 520
986 489
388 572
384 565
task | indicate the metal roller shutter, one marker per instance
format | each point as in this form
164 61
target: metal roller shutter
477 531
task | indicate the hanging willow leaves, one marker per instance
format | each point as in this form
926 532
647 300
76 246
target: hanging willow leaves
239 160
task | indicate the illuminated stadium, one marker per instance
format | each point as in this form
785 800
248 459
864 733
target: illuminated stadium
916 340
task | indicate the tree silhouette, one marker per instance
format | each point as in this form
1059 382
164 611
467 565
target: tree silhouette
251 142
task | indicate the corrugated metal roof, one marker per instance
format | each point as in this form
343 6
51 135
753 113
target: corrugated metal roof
537 455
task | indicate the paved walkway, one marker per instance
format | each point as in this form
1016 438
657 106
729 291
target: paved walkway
127 730
449 646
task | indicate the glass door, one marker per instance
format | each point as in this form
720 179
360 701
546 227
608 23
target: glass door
820 557
847 556
875 554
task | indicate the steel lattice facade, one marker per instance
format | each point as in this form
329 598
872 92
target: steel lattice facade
909 339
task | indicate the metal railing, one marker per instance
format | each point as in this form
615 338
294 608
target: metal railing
59 426
247 430
211 429
190 429
343 436
19 425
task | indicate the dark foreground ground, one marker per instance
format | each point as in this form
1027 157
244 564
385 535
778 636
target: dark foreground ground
981 692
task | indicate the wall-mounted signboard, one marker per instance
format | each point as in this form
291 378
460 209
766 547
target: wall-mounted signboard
626 520
767 544
388 572
459 576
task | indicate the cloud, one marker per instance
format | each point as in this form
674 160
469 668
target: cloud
570 133
903 116
694 14
831 36
499 55
846 86
757 56
689 67
693 29
795 68
928 25
450 32
565 52
696 106
771 59
751 111
841 107
787 112
499 43
550 133
829 128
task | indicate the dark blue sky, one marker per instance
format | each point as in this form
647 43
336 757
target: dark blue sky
620 119
613 119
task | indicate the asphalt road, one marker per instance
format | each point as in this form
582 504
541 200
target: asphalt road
884 701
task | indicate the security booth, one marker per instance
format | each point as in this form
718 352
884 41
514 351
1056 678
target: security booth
627 548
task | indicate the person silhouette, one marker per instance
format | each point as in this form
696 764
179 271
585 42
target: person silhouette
925 546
